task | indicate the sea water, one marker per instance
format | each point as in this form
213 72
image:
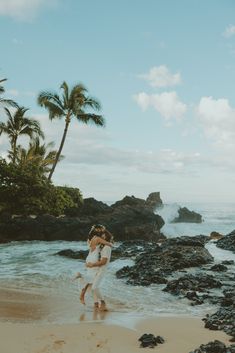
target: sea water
33 266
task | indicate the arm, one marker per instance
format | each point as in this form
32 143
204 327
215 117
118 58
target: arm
99 263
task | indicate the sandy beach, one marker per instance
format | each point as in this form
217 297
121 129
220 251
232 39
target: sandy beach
24 329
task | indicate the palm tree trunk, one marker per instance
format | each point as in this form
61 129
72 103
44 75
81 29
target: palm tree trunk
67 121
14 149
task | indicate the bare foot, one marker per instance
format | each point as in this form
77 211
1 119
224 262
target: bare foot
82 296
78 275
96 306
103 306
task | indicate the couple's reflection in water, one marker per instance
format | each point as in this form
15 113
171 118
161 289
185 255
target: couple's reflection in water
95 315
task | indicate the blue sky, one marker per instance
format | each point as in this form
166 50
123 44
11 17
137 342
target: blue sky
164 72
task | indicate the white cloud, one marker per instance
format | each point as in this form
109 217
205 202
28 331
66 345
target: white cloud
229 31
23 9
16 93
92 146
13 92
166 103
107 172
161 77
217 119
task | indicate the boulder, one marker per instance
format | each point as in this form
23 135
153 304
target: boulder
149 340
214 347
215 235
227 242
154 201
187 216
196 283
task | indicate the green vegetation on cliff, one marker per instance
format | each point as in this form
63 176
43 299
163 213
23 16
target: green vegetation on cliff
25 171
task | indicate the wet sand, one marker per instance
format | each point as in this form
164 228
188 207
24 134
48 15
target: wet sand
22 329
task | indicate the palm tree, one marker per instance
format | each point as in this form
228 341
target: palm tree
6 102
18 125
38 154
72 104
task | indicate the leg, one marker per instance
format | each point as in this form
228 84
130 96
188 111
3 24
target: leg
103 306
96 289
83 292
98 297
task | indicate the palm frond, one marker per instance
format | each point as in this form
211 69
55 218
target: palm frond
45 96
93 103
8 102
54 110
92 118
66 94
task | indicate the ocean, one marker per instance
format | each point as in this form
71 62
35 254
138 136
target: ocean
33 266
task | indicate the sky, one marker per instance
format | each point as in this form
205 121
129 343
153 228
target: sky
164 72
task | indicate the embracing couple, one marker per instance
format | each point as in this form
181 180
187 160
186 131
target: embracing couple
100 242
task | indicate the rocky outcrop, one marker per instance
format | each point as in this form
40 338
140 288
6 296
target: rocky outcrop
92 207
187 216
154 265
154 200
227 242
215 347
127 219
215 235
190 285
224 318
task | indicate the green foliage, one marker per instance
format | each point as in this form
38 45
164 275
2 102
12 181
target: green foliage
3 101
74 193
76 196
26 191
18 125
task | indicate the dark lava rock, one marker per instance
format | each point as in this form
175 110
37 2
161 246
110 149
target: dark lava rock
153 265
129 201
227 242
219 268
214 347
197 240
149 340
215 235
92 207
228 262
199 283
78 255
154 201
187 216
224 318
128 219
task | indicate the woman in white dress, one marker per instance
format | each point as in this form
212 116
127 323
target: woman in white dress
94 240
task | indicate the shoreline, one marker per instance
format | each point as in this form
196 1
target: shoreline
94 332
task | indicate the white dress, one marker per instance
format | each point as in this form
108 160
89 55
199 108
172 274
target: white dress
91 272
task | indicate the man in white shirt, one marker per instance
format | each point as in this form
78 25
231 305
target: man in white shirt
103 264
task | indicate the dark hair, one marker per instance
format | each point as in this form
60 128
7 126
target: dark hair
108 236
95 230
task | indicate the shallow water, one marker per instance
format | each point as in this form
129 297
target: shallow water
33 266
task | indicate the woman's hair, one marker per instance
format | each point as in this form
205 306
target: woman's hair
108 236
96 229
